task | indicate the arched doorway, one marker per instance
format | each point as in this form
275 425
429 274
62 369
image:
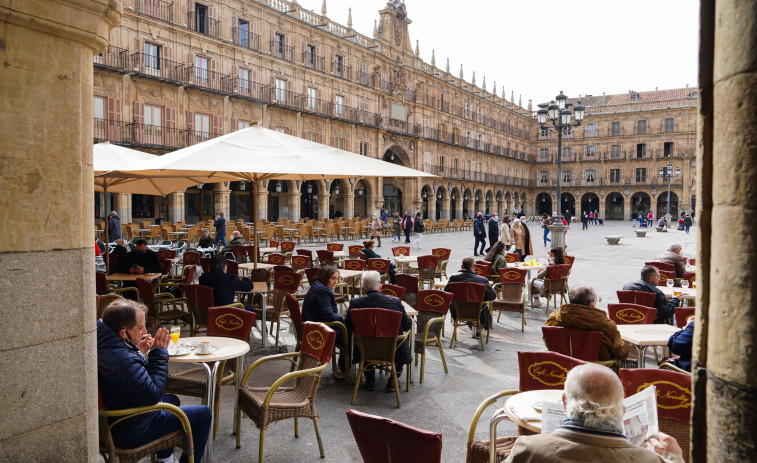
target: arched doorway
309 200
426 196
277 200
239 200
393 199
478 205
361 199
508 203
589 203
568 203
523 202
439 197
662 205
466 201
640 203
544 204
454 197
614 207
336 199
198 203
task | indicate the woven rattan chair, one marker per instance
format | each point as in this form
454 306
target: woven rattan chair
102 287
577 343
662 266
199 299
410 283
468 301
444 255
376 334
401 251
511 293
379 265
334 247
354 250
637 297
181 438
433 305
325 257
229 321
666 275
483 268
265 405
382 440
673 399
393 290
478 451
157 304
555 284
427 267
104 301
631 314
284 282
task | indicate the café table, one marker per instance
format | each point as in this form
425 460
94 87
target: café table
142 232
251 266
133 276
178 234
686 294
527 266
350 275
259 287
403 262
267 249
99 234
158 247
223 349
519 408
643 336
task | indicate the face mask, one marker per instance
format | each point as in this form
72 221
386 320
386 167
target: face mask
141 253
218 217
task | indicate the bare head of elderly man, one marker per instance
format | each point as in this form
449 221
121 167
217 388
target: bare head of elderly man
593 401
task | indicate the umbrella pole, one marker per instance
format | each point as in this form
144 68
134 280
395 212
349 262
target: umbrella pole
255 223
107 238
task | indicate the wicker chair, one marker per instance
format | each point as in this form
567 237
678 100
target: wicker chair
181 438
283 283
511 293
410 283
637 297
555 284
577 343
468 301
673 399
325 257
334 247
631 314
478 451
393 290
276 259
199 298
433 305
102 287
376 334
401 251
662 266
427 266
444 255
222 321
354 250
157 302
381 440
512 258
265 405
104 301
666 275
379 265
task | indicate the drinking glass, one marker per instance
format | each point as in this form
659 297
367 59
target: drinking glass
175 333
684 284
670 282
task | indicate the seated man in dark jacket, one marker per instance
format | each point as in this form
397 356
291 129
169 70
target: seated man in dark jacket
467 274
132 372
680 344
649 277
673 256
372 298
223 284
206 241
141 260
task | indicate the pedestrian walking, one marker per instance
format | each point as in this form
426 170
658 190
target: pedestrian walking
650 218
546 221
687 222
479 233
396 228
407 225
493 230
376 229
585 221
418 229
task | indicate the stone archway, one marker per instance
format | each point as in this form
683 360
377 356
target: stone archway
337 201
394 188
427 197
454 202
544 204
309 191
662 205
589 203
568 203
614 207
278 195
641 203
441 194
361 192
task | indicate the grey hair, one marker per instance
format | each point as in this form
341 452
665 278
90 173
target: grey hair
583 295
594 396
370 280
674 246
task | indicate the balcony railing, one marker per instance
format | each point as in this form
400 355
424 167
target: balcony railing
152 135
282 51
341 70
386 86
428 100
365 79
158 68
288 99
157 9
317 106
113 58
203 24
410 96
209 80
246 38
109 130
313 61
253 90
191 137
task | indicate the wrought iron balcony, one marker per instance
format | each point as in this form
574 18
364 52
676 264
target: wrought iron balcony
282 51
191 137
288 99
113 58
253 90
208 80
341 70
157 9
313 61
159 68
246 38
203 24
365 79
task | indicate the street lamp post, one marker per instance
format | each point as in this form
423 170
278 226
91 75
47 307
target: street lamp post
559 114
668 172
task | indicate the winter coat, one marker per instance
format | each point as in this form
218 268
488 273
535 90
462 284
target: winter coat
588 318
479 230
504 234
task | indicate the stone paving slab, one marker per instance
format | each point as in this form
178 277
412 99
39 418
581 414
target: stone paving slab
444 402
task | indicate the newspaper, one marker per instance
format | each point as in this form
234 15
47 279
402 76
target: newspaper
639 421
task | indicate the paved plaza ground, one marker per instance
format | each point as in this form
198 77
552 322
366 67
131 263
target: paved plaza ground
444 403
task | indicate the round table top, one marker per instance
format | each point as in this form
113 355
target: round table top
227 348
522 405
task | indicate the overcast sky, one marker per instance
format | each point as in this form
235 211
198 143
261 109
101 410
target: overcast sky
596 46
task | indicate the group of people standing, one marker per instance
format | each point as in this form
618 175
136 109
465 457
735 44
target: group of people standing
407 225
512 233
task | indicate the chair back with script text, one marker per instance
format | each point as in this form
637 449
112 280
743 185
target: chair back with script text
230 322
379 265
287 246
468 301
511 257
190 258
392 290
325 257
637 297
354 250
354 264
444 255
674 398
691 277
544 370
433 305
401 251
682 315
511 295
166 254
666 275
382 440
276 259
573 342
333 247
427 267
631 314
556 283
300 262
295 314
483 268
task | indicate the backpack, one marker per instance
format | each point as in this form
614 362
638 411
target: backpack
419 226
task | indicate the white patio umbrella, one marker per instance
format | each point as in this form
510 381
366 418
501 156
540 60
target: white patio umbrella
257 153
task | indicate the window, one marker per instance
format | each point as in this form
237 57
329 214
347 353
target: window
641 150
591 175
363 77
152 56
614 175
312 97
543 176
201 70
544 154
616 128
615 151
339 105
99 107
480 167
567 176
339 66
469 139
667 149
468 111
279 41
641 174
244 31
153 115
591 151
243 81
567 152
242 124
202 127
339 143
544 132
385 82
642 127
201 18
480 115
310 56
364 148
442 163
480 142
591 130
281 90
669 124
312 137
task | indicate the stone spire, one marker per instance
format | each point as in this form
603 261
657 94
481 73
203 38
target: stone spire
504 97
323 8
530 105
512 96
494 88
433 58
520 101
483 84
461 70
349 17
417 50
473 80
447 65
375 28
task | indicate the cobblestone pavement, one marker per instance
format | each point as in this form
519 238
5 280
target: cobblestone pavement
444 402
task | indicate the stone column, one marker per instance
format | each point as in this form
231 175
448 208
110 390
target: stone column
262 192
294 205
122 205
176 206
431 201
349 205
372 206
627 206
445 208
221 199
725 385
323 205
49 341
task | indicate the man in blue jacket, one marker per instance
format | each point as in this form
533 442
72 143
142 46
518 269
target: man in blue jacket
479 232
680 344
132 372
223 284
220 224
493 225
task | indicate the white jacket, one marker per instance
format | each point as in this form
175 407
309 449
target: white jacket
504 234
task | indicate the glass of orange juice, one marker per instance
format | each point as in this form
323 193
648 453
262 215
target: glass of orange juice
175 333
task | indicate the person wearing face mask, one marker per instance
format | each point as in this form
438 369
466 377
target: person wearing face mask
132 371
141 260
220 224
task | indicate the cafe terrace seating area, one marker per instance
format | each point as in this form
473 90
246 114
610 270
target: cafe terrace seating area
286 267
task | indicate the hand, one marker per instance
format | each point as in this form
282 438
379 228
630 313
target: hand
664 443
162 338
140 270
146 344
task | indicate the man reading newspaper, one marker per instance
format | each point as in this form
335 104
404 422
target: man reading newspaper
593 427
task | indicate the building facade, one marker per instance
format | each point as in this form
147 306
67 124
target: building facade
180 73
